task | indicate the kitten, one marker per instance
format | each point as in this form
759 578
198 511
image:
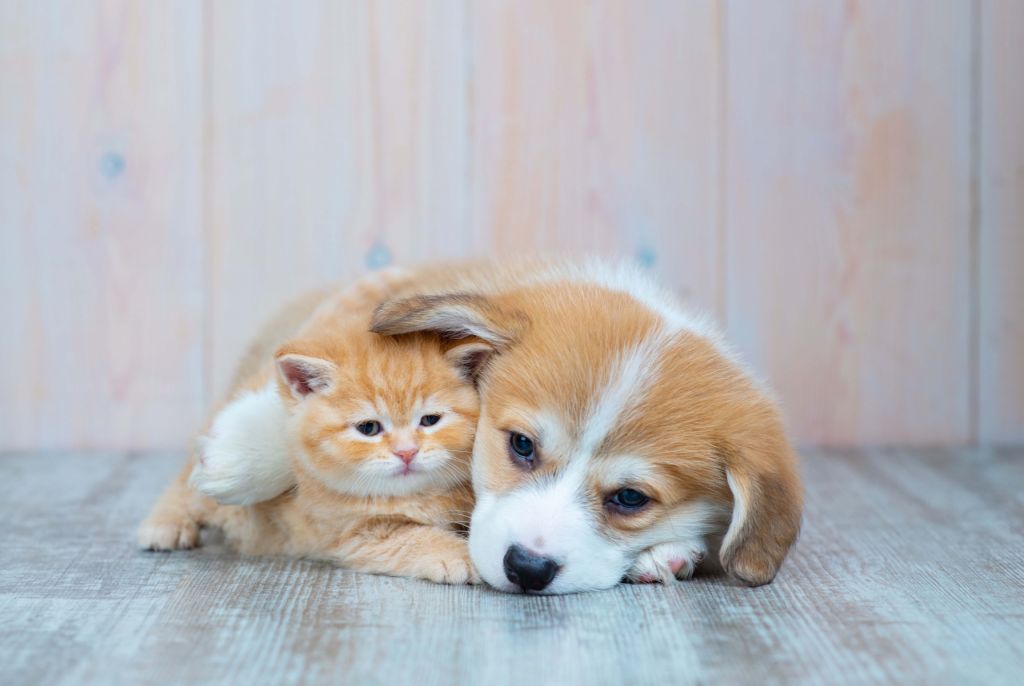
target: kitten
378 433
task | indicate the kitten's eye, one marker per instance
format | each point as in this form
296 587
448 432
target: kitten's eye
370 428
429 419
628 500
523 450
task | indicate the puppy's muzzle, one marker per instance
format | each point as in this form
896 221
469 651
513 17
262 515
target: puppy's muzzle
527 570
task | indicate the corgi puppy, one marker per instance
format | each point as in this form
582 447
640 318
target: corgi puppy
619 436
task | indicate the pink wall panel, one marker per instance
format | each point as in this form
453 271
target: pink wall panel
101 246
1000 407
848 213
839 182
595 129
337 144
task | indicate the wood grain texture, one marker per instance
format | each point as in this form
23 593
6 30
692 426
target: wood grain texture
910 570
848 201
594 129
100 246
337 145
1001 222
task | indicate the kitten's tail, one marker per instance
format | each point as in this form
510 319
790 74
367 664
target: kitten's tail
244 459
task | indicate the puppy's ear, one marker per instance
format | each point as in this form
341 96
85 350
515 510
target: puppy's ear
453 315
469 357
767 506
304 374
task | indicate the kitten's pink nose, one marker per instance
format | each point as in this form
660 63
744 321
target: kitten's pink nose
406 454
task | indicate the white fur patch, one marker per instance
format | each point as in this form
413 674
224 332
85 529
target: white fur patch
667 562
628 380
550 518
244 459
739 512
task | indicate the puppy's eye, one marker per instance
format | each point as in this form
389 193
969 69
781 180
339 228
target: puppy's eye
429 419
628 500
370 428
523 450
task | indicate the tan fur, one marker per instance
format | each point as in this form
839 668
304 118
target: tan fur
334 512
701 421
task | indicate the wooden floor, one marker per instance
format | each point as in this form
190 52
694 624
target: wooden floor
910 570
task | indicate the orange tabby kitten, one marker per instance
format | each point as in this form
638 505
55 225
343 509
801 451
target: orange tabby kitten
378 433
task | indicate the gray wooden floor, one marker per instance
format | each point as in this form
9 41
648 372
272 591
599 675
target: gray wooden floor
910 570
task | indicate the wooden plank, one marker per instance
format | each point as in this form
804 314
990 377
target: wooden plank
100 248
595 130
1001 228
848 196
337 145
906 572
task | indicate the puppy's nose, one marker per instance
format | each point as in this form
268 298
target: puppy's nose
529 571
406 454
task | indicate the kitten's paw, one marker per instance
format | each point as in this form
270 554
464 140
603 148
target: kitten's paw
164 533
452 570
666 563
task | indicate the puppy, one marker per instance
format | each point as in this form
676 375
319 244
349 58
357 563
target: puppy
618 437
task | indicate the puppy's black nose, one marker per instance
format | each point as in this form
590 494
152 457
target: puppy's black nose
528 571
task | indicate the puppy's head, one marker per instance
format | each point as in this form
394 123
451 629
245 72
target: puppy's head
609 426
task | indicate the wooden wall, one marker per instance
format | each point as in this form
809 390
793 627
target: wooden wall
841 183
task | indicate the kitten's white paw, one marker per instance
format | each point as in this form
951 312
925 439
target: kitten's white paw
244 460
666 563
168 534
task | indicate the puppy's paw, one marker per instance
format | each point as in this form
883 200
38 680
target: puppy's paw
666 563
164 533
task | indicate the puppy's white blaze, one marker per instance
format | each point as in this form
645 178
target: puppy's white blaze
628 380
245 456
551 519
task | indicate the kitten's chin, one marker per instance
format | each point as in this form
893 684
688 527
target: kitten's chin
398 482
406 483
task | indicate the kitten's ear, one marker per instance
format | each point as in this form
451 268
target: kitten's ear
470 357
303 374
453 315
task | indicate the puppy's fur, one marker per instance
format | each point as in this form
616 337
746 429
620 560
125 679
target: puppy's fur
618 388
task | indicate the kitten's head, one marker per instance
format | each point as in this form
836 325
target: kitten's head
379 415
